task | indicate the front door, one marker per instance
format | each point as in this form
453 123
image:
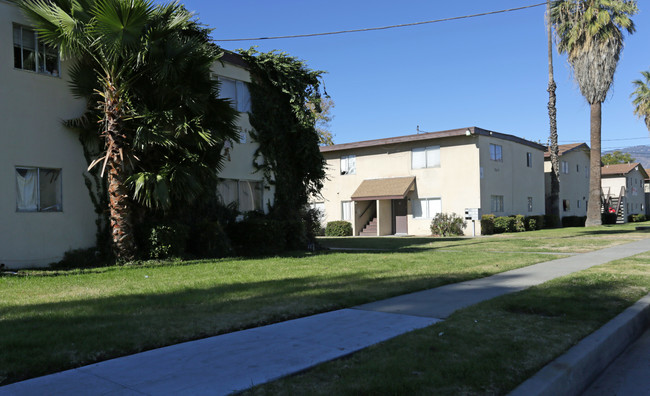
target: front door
400 223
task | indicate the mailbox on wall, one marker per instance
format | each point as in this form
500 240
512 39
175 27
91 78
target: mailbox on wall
472 214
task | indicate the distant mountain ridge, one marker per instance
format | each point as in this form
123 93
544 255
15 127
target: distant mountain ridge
639 153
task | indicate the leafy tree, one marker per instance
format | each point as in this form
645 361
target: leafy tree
617 157
148 69
284 126
553 204
323 118
641 97
590 33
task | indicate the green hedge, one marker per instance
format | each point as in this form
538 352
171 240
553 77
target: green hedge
552 221
574 221
487 224
257 236
637 218
338 228
534 223
519 223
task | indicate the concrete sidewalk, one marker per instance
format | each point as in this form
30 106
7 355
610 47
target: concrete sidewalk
239 360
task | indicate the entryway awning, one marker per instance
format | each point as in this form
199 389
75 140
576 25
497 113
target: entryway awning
389 188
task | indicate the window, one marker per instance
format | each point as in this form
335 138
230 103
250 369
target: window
246 194
564 167
586 173
319 207
577 168
346 210
530 204
425 157
578 204
495 152
348 165
38 190
566 205
426 208
497 203
529 160
30 54
237 92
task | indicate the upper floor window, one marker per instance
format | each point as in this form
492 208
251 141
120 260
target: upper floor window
348 164
529 160
425 157
38 190
237 92
564 167
496 152
31 54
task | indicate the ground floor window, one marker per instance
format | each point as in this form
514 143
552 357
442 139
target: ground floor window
530 204
497 203
346 210
426 208
246 194
566 205
38 190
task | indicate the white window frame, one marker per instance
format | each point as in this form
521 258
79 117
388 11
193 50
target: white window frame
258 204
347 210
58 207
425 157
496 152
496 202
40 50
348 165
242 99
426 208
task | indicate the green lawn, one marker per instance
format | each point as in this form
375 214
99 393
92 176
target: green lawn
55 320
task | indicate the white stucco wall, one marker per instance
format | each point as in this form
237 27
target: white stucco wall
574 185
32 107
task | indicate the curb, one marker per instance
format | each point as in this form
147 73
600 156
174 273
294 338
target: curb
571 373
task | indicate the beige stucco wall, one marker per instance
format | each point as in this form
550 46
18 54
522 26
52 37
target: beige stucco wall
456 182
32 107
240 166
574 186
511 178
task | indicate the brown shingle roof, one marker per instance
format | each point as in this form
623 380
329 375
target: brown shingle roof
429 136
565 148
621 169
388 188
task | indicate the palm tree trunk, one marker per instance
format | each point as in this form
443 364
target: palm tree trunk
119 202
594 204
553 206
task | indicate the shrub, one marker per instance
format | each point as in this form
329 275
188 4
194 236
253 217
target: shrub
574 221
257 235
81 258
520 223
638 218
487 224
167 241
338 228
551 221
534 223
504 224
608 218
447 224
209 240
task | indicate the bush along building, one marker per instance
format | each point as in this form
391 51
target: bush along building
396 186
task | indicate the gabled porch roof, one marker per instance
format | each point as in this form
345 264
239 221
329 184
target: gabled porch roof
387 188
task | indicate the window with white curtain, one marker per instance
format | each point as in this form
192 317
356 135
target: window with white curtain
348 164
246 194
38 190
496 152
564 167
346 210
426 208
497 203
425 157
237 92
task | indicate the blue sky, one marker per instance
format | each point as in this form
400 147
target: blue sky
489 71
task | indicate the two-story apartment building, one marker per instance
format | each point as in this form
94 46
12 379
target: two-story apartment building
623 187
45 207
574 178
397 185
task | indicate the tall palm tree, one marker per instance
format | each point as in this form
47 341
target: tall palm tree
590 33
553 206
641 97
129 47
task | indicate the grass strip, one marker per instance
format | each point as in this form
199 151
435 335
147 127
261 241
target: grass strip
488 348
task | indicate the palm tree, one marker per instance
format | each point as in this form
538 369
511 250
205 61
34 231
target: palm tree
124 49
642 98
590 33
553 206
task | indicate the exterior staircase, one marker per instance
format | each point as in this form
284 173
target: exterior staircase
370 229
